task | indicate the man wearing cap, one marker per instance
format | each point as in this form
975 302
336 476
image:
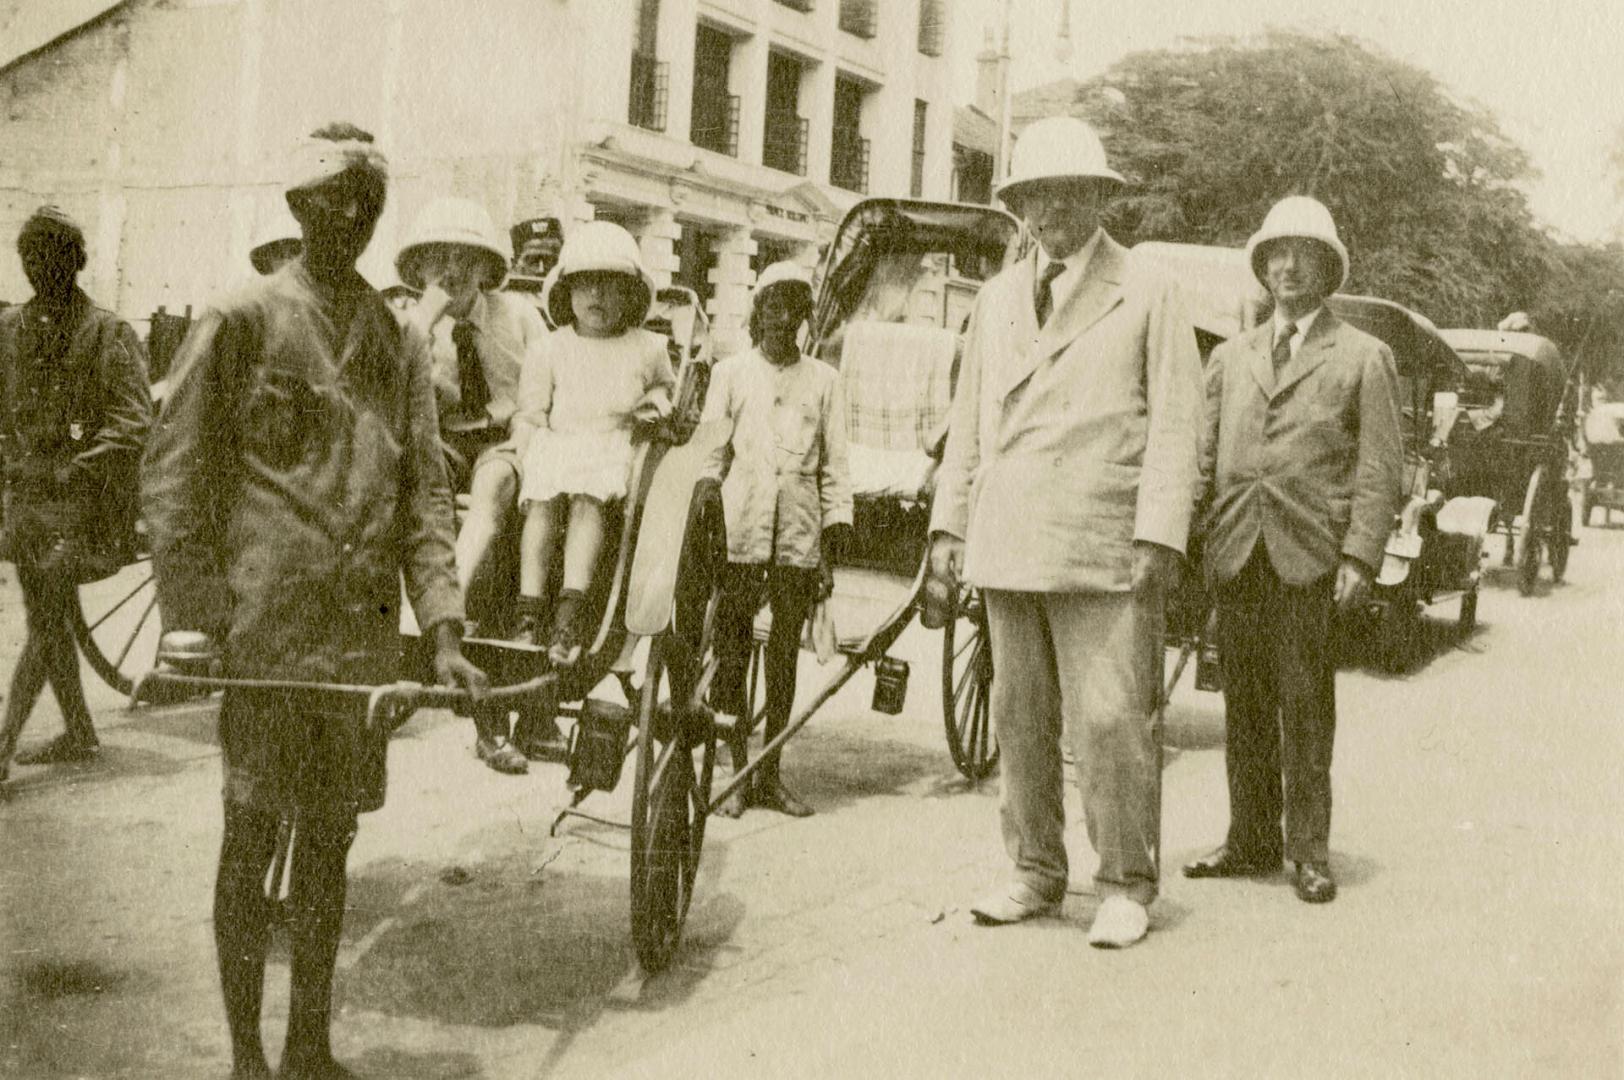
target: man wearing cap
74 410
477 338
1064 495
1301 474
294 477
536 244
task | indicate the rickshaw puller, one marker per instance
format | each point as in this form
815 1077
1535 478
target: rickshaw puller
1064 495
1301 476
74 409
295 474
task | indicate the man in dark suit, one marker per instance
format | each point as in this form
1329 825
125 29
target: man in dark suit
1301 469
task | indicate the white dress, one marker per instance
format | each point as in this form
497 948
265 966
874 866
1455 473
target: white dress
577 398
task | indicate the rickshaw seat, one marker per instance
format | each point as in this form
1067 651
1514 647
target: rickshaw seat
897 381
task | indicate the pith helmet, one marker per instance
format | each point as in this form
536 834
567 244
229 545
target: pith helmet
459 222
278 232
597 245
1056 148
1298 215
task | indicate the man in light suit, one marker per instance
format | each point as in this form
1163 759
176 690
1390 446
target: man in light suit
1064 495
1301 469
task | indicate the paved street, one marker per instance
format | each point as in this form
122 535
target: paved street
1477 934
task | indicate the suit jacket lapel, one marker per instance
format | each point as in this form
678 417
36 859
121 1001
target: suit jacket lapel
1259 363
1087 303
1314 351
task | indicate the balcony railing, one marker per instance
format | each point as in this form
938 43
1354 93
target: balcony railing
858 17
785 145
932 26
651 91
719 131
848 163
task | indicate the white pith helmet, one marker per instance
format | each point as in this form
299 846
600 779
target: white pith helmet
277 231
1056 148
1302 216
597 245
458 222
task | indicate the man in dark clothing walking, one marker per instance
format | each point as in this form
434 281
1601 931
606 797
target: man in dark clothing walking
74 409
296 473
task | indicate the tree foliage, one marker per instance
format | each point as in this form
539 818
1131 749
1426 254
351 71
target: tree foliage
1425 187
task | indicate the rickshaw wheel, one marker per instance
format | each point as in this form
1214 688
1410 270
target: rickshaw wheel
116 624
1528 538
967 689
670 798
1561 535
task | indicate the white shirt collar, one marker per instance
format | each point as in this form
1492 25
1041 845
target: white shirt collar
1076 262
1302 323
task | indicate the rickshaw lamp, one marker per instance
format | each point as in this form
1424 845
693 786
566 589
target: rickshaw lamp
890 685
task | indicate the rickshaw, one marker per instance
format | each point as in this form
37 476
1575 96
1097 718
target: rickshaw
894 288
1514 438
1604 445
1435 551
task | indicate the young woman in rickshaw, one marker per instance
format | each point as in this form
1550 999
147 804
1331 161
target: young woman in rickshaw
582 389
787 498
478 337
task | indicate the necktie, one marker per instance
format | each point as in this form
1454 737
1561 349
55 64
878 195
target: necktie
1282 346
476 392
1042 301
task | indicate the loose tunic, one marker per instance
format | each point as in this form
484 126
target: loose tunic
294 475
74 409
785 469
577 399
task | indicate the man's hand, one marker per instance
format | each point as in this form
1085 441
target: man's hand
942 575
451 668
1352 583
1155 566
946 558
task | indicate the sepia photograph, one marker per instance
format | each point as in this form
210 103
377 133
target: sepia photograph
610 539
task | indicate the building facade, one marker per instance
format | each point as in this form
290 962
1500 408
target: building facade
725 134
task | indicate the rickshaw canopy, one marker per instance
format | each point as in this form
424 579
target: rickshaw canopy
878 232
1527 368
1219 290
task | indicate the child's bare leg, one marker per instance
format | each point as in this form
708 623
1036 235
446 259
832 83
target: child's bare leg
583 543
489 500
536 543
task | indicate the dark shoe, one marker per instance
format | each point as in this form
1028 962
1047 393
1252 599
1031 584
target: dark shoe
541 741
501 755
1224 863
569 637
1314 883
771 794
59 751
529 621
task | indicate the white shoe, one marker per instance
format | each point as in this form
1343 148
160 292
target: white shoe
1120 922
1015 903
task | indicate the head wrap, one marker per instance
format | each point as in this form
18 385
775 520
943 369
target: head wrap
316 161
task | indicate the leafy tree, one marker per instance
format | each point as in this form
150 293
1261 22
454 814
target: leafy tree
1424 186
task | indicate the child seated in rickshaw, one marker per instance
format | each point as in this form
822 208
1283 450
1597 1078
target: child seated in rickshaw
581 389
787 500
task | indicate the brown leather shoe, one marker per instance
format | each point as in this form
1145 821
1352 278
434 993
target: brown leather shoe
1227 863
501 755
1314 883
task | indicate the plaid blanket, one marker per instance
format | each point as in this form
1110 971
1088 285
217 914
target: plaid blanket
897 383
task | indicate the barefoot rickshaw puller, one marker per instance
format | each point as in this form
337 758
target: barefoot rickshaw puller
294 476
74 409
